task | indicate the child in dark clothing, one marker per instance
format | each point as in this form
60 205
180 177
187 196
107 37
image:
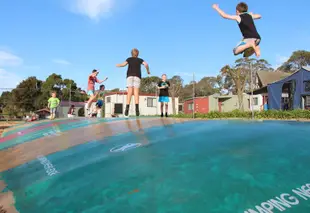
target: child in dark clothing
245 20
163 87
133 78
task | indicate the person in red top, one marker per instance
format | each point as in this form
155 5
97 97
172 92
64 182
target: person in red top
92 80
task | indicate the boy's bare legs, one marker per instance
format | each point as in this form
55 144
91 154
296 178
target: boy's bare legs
255 47
136 94
166 104
52 114
162 109
242 48
249 44
89 102
129 95
98 111
257 51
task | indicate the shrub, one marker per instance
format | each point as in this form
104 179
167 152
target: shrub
270 114
81 112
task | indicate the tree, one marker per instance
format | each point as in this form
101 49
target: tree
261 65
6 105
176 83
5 98
186 92
253 66
53 82
218 84
237 78
76 92
69 86
296 61
238 74
149 84
63 88
115 90
228 84
81 112
25 94
32 94
207 86
11 110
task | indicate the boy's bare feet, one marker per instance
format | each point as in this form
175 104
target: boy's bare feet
257 51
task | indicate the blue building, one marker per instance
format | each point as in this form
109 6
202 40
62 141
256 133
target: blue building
296 85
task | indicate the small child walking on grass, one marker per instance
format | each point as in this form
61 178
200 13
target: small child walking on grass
163 87
53 103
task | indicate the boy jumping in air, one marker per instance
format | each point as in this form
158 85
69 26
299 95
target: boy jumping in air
92 79
99 97
53 103
245 20
163 87
134 78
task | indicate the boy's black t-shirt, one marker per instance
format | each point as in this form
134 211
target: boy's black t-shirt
164 92
247 26
134 67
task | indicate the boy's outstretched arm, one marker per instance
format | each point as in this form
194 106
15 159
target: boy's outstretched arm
256 16
122 64
223 14
146 67
101 81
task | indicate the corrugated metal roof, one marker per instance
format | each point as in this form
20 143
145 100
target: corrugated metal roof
267 77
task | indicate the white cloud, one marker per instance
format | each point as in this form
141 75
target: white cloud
8 80
9 59
93 9
61 61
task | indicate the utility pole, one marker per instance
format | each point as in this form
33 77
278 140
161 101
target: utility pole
69 95
251 99
156 90
193 95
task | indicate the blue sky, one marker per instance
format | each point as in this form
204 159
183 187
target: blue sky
71 37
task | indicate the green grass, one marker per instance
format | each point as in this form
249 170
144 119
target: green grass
270 114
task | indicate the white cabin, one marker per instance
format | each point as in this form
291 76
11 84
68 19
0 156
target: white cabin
115 104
